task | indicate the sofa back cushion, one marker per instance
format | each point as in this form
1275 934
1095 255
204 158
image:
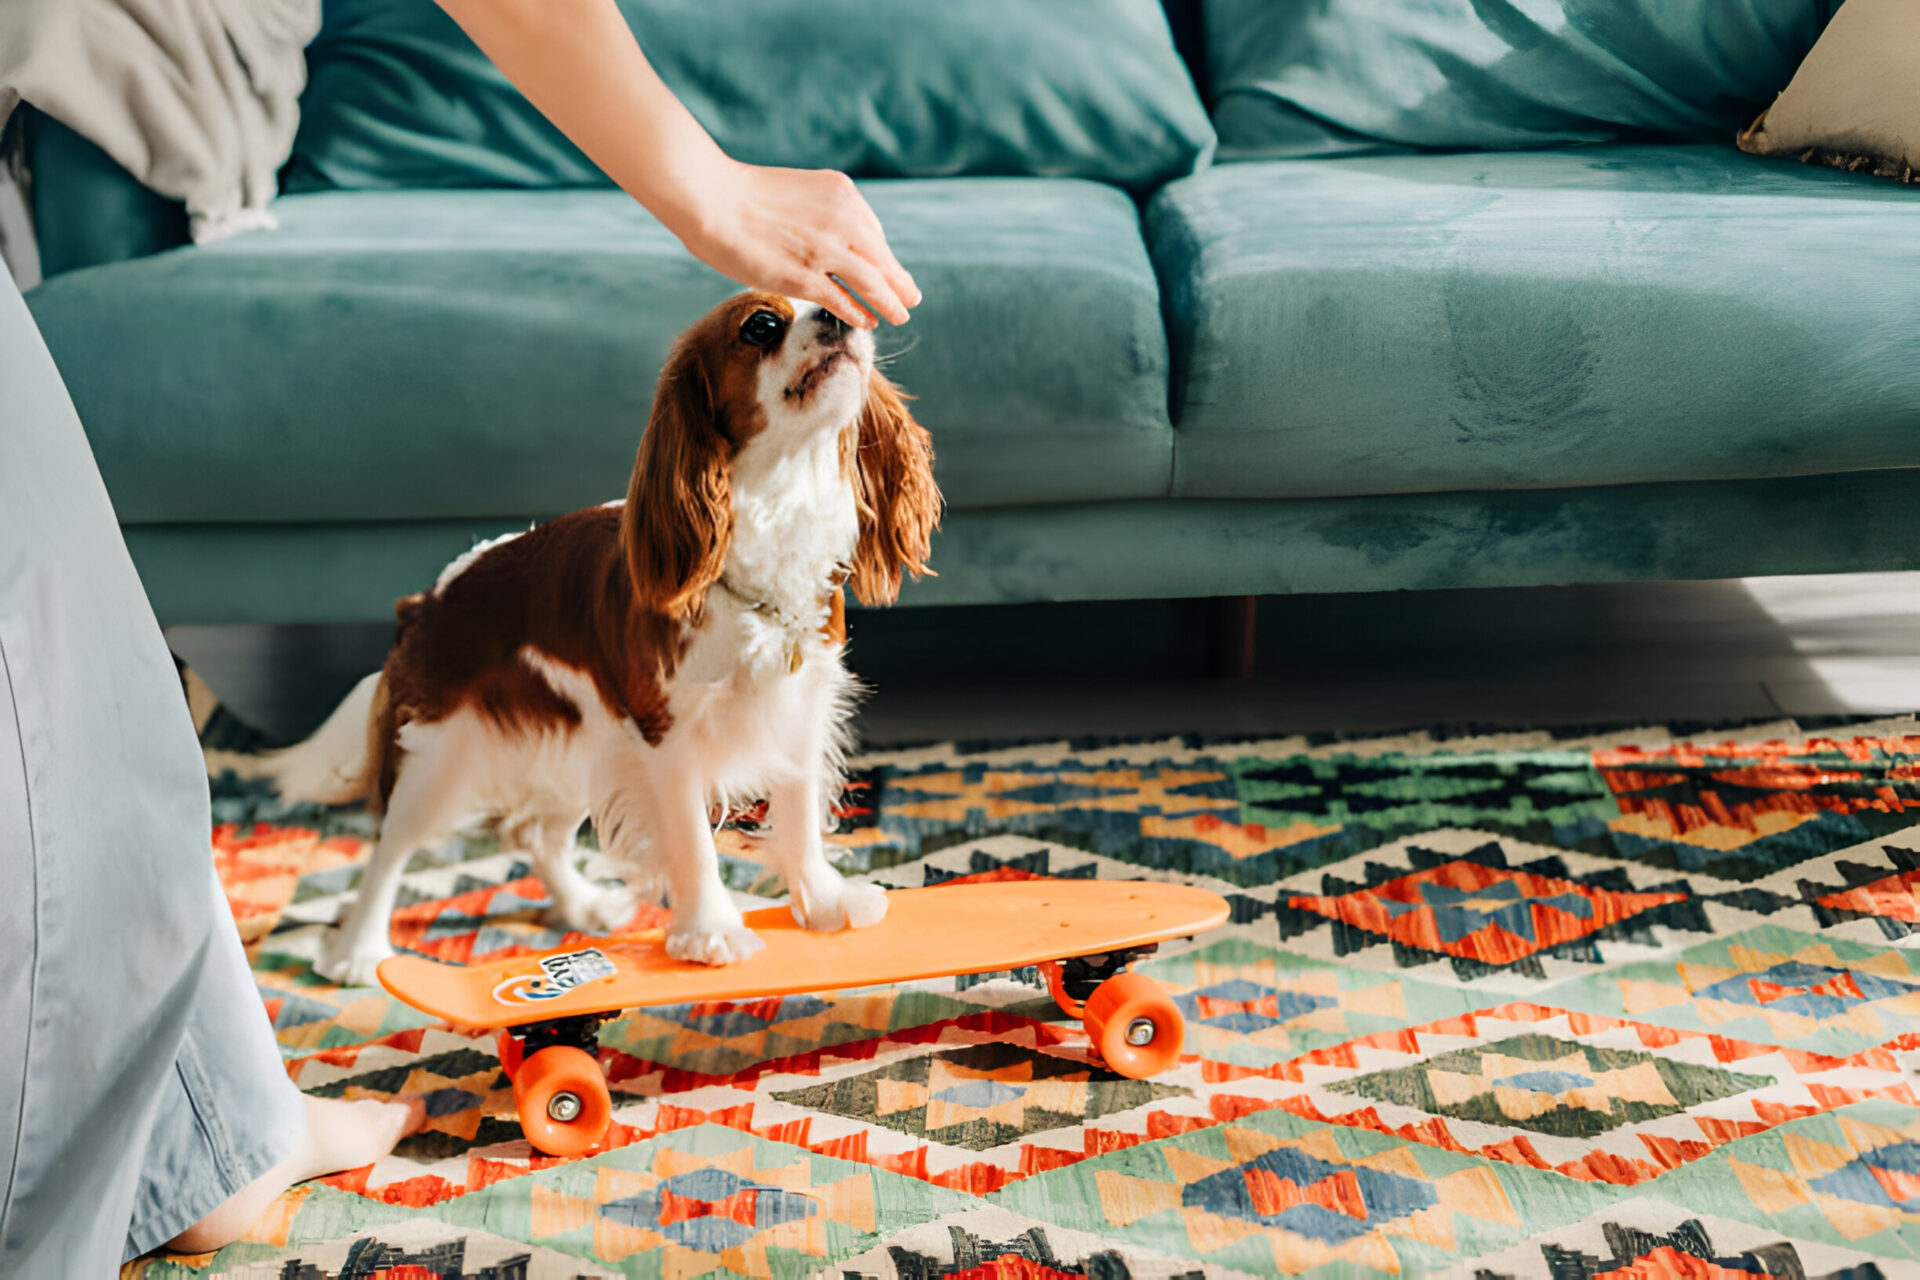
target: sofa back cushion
1293 79
1188 20
399 97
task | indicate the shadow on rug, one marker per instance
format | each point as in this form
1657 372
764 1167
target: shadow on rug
1488 1007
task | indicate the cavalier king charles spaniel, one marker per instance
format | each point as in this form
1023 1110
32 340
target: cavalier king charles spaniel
651 662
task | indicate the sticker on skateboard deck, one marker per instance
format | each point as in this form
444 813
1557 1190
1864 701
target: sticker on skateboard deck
1082 934
559 974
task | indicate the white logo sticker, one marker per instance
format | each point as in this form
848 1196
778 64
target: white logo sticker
558 975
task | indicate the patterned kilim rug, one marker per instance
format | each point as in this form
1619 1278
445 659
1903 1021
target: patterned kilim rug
1629 1007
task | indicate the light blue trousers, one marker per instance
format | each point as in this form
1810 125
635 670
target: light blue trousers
139 1080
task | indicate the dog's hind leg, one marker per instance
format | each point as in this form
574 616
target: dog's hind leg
578 903
427 804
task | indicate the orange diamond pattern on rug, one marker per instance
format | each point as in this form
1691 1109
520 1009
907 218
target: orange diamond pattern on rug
312 1017
1897 897
1741 810
1481 913
261 867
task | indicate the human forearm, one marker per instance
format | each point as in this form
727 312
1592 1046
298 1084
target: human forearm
577 61
792 231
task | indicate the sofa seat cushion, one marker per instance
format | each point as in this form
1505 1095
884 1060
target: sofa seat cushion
418 355
1535 320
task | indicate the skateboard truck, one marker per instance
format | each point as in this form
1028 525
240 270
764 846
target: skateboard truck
1079 976
581 1031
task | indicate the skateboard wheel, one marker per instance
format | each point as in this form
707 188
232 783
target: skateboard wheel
509 1050
563 1101
1055 974
1135 1026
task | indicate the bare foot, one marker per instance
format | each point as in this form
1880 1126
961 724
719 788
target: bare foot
339 1135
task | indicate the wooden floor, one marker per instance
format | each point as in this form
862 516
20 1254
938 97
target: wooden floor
1702 653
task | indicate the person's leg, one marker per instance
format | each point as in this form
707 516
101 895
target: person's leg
80 1073
103 846
231 1132
205 1181
227 1111
133 1047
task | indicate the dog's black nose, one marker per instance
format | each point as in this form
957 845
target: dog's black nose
832 327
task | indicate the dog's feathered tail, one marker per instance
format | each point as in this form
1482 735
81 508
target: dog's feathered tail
332 766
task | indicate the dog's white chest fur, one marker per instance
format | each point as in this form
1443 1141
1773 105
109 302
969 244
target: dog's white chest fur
737 690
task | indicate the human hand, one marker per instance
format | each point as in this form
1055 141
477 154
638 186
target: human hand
788 230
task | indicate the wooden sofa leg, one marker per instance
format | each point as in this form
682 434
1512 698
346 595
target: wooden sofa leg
1233 636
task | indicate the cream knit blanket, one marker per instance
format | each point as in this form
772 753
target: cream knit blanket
198 99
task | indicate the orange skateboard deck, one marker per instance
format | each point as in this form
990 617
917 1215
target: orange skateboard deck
1081 933
926 933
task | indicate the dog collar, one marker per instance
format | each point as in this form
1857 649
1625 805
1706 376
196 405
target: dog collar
832 632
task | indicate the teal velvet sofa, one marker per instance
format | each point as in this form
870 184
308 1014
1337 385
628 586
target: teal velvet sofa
1388 368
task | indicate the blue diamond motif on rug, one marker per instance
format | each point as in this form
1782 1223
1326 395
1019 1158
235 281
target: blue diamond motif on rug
710 1209
1551 1083
981 1093
1326 1202
1885 1177
742 1019
1241 1006
1812 990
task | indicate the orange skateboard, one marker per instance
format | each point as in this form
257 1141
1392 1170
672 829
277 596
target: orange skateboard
1083 934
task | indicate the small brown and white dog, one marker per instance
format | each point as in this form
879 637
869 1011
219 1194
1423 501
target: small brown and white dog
644 662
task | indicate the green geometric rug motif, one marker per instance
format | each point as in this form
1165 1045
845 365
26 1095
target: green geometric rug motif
981 1097
1552 1086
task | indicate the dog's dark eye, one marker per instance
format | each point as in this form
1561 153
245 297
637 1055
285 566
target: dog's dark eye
762 329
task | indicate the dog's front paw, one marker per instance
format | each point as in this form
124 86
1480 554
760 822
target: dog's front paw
608 909
349 966
841 904
864 904
727 945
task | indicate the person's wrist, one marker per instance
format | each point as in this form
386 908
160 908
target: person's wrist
699 197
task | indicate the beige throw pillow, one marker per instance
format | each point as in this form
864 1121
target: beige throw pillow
1855 102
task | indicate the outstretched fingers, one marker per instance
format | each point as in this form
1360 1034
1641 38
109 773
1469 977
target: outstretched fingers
865 281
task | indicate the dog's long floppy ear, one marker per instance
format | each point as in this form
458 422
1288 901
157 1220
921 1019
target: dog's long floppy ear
679 513
899 501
